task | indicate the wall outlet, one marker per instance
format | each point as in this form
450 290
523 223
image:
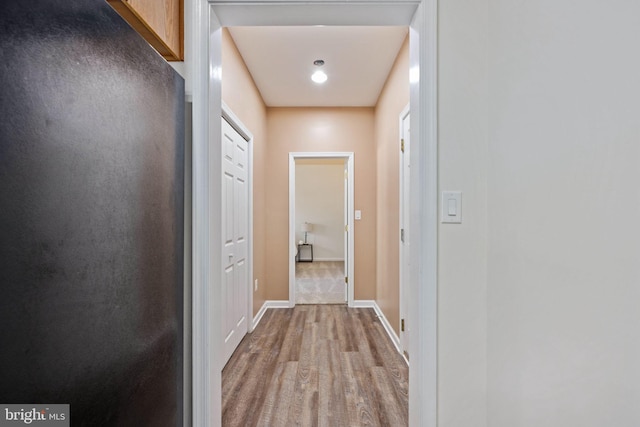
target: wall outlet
255 285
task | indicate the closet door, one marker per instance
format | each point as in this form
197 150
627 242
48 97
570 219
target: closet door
235 231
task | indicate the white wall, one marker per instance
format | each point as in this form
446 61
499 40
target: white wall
564 203
320 201
462 248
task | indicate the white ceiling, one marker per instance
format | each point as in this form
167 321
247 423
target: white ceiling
357 61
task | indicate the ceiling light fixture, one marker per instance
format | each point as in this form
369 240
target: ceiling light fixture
319 76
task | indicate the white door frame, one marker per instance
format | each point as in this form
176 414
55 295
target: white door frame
349 158
404 255
203 69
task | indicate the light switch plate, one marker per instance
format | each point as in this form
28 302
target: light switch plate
451 207
358 215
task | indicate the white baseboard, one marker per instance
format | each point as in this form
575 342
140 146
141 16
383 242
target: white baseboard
387 327
327 259
383 319
363 303
268 304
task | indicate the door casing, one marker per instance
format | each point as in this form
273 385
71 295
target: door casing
405 236
203 69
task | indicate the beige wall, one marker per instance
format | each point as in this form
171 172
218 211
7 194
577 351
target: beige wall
393 99
320 129
241 95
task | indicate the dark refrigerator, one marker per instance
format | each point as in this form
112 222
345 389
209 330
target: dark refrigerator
91 216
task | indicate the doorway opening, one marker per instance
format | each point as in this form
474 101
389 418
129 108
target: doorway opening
205 67
320 228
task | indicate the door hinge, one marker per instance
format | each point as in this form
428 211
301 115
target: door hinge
346 279
402 145
402 235
346 228
402 325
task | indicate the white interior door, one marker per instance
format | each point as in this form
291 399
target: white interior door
405 146
235 230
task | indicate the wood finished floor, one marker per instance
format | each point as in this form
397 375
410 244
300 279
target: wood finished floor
316 365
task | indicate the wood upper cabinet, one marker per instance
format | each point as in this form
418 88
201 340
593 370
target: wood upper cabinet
160 22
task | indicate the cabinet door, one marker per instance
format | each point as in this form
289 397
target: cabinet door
160 23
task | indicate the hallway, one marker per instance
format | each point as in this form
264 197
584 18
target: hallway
325 365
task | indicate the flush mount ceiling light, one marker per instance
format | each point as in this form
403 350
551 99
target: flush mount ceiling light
319 76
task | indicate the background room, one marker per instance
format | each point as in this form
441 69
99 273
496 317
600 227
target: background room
320 209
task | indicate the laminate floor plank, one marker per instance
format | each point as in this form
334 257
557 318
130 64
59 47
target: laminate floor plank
290 351
389 404
306 390
393 362
369 321
331 402
345 335
363 345
369 411
234 377
275 411
274 395
316 365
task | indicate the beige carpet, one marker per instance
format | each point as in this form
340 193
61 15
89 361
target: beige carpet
320 282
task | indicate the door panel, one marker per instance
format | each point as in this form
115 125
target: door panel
235 223
228 209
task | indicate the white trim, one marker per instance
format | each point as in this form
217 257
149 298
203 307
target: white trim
403 263
423 304
277 304
387 327
349 157
315 12
244 132
206 300
203 63
327 259
259 314
235 122
265 306
363 303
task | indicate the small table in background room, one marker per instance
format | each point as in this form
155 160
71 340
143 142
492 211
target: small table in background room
305 247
